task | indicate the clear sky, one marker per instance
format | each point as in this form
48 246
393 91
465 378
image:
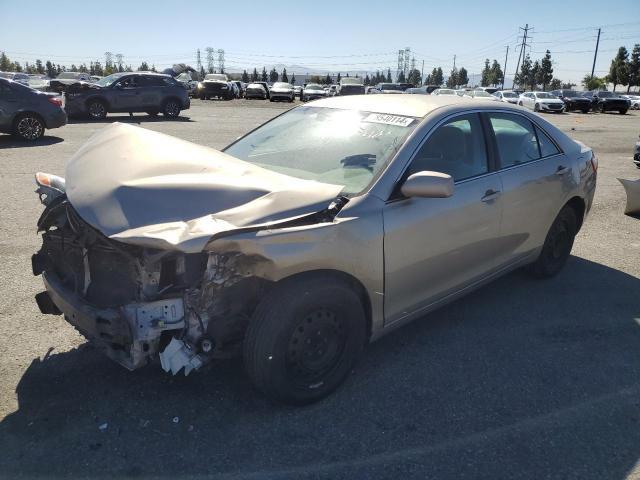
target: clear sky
319 35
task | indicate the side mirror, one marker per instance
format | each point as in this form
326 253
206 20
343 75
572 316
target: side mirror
428 184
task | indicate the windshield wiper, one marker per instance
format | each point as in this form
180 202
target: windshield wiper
362 160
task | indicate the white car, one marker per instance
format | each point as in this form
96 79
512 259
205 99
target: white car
507 96
480 95
281 91
444 91
541 102
332 91
635 101
313 91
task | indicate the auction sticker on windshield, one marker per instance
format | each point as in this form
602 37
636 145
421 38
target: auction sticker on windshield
389 119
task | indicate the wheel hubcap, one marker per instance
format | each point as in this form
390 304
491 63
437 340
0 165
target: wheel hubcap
96 110
172 109
315 346
29 128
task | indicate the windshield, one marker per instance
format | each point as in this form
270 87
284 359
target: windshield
545 95
6 75
605 94
571 93
281 85
314 86
509 95
342 147
69 75
446 91
390 86
106 81
216 76
481 93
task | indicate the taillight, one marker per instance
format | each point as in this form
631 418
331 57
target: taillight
594 162
57 101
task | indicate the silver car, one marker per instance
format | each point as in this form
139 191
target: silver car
310 237
541 102
507 96
281 91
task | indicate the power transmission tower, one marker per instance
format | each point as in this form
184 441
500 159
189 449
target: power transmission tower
198 60
595 55
221 60
504 74
210 63
108 58
119 58
400 62
523 45
407 61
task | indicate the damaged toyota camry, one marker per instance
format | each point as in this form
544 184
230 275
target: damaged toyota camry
306 239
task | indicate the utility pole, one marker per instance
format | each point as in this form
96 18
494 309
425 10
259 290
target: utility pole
523 45
454 61
198 61
506 57
595 55
422 74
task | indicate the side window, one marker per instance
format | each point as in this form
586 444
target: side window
167 82
456 148
547 147
515 137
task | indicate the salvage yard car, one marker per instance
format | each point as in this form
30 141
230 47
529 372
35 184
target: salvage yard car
603 101
282 91
216 85
313 91
311 236
573 100
255 90
148 92
541 102
26 113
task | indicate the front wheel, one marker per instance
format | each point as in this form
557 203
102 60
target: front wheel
557 245
97 110
585 110
520 103
29 126
603 108
536 107
304 339
171 109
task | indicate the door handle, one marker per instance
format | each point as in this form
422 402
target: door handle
490 195
562 170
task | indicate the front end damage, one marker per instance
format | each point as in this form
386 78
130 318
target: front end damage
140 304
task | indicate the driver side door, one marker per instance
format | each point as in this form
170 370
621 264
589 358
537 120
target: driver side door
434 247
126 94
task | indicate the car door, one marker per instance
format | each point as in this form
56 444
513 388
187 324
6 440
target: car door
151 91
9 104
436 246
126 94
536 180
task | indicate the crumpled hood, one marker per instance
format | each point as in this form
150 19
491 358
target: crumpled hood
149 189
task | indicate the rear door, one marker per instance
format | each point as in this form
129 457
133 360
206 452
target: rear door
151 91
536 178
9 104
435 246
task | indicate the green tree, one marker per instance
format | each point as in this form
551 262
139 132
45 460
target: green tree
5 63
293 79
593 83
367 80
556 84
17 67
144 67
388 79
245 76
414 77
567 86
39 67
438 79
619 69
463 77
523 76
496 74
339 77
284 76
401 78
546 70
634 68
536 75
485 76
50 69
263 76
452 81
274 75
328 80
254 75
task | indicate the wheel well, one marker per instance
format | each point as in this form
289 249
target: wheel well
578 206
350 280
100 99
164 102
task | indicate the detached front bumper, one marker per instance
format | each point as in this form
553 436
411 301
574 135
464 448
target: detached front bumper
129 334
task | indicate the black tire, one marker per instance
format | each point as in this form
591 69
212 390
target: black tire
203 97
28 127
97 110
557 246
291 99
603 108
171 108
585 110
520 103
536 108
305 337
272 100
623 111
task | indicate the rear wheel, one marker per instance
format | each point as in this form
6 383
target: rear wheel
603 108
97 109
171 108
536 107
29 126
585 110
557 245
304 338
623 111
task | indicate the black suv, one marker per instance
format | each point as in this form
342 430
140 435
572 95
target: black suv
127 92
603 101
573 100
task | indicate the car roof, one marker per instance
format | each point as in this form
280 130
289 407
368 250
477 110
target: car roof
405 105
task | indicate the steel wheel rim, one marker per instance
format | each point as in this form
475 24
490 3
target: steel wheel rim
96 110
29 128
315 347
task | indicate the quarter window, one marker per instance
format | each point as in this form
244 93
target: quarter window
456 148
547 147
516 139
